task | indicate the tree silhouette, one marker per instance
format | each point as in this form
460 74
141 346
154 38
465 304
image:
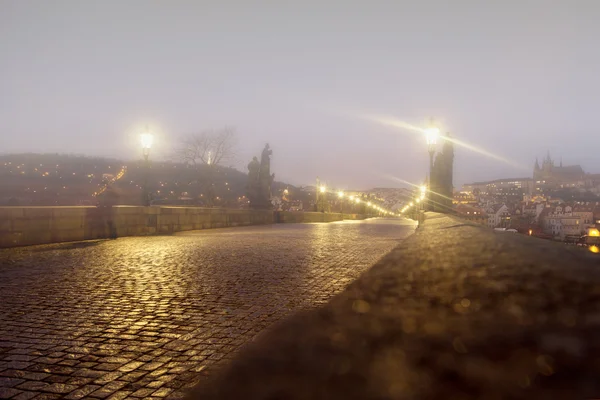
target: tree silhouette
206 151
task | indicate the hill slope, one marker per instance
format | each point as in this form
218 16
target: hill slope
60 179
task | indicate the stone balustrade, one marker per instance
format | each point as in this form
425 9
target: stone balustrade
23 226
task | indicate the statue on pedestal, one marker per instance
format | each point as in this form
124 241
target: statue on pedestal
260 180
253 180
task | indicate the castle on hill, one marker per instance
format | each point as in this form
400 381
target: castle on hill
548 172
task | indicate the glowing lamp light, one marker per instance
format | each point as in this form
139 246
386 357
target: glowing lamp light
594 249
594 232
340 194
423 189
322 189
147 140
431 135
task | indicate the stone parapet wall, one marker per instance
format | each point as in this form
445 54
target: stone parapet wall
307 217
22 226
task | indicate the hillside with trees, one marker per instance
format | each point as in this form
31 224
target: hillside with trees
63 179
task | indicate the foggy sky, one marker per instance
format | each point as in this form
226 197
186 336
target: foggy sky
515 77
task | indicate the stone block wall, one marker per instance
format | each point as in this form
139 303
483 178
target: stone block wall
307 217
22 226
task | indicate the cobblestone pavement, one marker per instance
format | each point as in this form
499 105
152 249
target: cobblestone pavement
148 317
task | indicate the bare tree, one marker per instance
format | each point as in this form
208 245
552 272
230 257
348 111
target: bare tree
212 147
206 151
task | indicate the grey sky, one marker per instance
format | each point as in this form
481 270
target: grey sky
516 77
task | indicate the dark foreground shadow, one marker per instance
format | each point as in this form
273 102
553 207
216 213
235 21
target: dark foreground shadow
457 313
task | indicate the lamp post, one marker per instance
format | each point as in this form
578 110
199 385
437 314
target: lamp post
323 198
341 196
147 139
423 190
431 135
285 200
317 194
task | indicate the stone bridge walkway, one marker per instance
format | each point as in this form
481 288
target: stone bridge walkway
149 317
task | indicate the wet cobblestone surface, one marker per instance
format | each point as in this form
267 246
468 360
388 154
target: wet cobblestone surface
150 317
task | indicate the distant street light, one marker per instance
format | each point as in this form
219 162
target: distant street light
147 139
317 194
341 196
321 196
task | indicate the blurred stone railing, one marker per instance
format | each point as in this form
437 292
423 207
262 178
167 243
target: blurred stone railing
304 217
23 226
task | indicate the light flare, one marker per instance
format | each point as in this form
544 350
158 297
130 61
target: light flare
429 134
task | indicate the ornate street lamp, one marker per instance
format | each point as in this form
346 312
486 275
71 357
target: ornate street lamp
323 196
431 135
147 139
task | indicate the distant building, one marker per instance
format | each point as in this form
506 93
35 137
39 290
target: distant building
464 198
510 190
296 205
550 177
498 216
276 203
585 213
592 183
533 210
470 213
567 222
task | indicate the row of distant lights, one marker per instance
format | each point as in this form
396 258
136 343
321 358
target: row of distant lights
357 200
116 178
423 190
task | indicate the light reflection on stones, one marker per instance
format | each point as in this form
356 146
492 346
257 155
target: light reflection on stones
157 313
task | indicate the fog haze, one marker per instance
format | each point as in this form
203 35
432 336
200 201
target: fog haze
516 78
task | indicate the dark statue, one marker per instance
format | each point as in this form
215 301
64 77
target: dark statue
253 178
260 180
